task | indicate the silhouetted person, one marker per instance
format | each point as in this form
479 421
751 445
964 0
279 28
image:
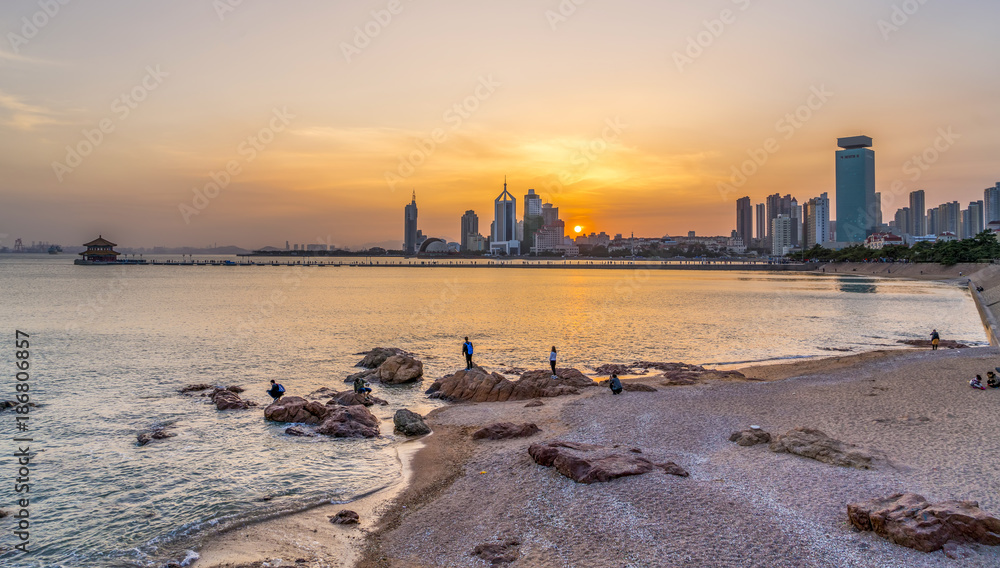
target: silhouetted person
276 391
615 384
935 340
552 361
467 351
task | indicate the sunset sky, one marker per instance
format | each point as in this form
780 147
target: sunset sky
627 115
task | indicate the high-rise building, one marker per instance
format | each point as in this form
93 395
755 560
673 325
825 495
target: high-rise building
949 215
976 222
816 212
744 220
991 204
878 210
903 218
410 226
781 235
855 189
532 218
795 211
918 221
933 227
504 237
470 228
762 228
964 225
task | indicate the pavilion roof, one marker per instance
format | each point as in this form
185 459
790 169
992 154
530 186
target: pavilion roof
100 242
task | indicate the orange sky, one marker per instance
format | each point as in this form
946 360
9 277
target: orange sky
627 116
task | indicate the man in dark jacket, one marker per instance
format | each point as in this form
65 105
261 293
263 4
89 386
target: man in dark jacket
467 351
276 391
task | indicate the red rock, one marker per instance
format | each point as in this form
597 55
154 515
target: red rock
910 520
346 517
377 356
506 430
228 400
588 463
296 409
814 444
478 385
349 422
750 437
400 369
351 398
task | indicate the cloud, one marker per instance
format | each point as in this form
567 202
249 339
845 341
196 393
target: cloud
23 116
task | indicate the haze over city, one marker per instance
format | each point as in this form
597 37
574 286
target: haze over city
319 120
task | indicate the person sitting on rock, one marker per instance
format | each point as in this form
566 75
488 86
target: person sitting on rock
977 383
991 380
615 384
276 391
361 387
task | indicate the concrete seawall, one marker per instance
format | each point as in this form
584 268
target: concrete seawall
988 300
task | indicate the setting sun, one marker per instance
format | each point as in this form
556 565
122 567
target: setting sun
577 228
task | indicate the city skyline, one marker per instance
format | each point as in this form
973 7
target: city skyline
255 124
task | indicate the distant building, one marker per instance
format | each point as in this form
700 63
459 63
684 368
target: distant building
762 229
781 235
855 167
744 220
948 218
477 243
504 238
991 204
99 250
410 227
918 220
877 241
532 218
817 221
976 222
470 228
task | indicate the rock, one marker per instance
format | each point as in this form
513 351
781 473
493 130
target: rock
513 371
194 388
619 369
351 398
685 374
587 463
810 443
399 369
377 356
498 553
750 437
956 552
534 404
299 431
349 422
3 513
909 520
477 385
345 517
926 343
235 388
5 404
323 392
228 400
505 431
629 386
410 423
296 409
156 433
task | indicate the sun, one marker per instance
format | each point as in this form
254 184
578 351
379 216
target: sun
577 229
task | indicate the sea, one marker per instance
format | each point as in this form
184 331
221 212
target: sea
110 346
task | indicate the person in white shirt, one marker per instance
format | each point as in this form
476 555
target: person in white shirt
552 361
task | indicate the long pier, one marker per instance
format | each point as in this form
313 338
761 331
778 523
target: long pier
511 264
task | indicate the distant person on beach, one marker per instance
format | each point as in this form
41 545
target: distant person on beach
276 391
552 361
361 387
615 384
935 340
991 380
467 351
977 383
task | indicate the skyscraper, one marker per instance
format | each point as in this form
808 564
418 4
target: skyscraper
504 237
781 235
991 204
761 226
933 227
949 215
470 228
795 212
817 220
532 218
744 220
976 223
878 210
918 222
855 167
903 218
410 226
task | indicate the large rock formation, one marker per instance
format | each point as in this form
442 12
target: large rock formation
478 385
909 520
587 463
225 399
750 437
629 386
194 388
506 430
349 422
350 398
410 423
377 356
400 369
296 409
810 443
685 374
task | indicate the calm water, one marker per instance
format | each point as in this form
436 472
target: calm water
110 346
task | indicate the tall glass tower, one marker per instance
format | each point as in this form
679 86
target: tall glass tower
410 226
505 216
855 189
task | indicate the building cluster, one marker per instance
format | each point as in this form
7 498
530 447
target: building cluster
781 225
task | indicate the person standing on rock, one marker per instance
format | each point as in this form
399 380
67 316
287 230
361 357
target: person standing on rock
552 361
935 340
467 351
276 391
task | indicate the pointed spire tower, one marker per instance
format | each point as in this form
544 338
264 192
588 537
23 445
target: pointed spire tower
410 226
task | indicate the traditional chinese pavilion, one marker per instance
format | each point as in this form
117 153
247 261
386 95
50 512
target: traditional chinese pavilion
99 250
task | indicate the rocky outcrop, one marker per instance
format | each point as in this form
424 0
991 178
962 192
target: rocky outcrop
296 409
410 423
588 463
225 399
750 437
630 386
478 385
350 398
498 553
505 431
345 517
194 388
618 368
814 444
377 356
684 374
349 422
299 431
926 343
534 404
909 520
400 369
154 433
